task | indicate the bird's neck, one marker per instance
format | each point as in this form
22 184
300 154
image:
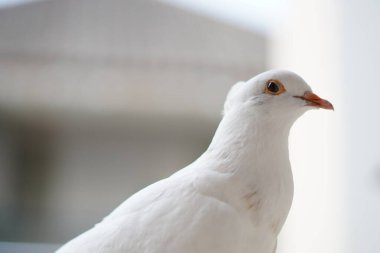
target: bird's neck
245 141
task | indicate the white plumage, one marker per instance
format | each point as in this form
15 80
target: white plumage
234 198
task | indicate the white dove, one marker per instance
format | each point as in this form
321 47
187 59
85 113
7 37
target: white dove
234 198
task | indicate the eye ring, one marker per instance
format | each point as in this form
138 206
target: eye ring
274 87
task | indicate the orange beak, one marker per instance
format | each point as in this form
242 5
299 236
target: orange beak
313 100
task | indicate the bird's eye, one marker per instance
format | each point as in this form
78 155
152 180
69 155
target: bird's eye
274 87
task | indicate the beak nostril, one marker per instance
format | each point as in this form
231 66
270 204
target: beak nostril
314 100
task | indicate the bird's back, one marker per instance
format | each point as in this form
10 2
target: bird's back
177 214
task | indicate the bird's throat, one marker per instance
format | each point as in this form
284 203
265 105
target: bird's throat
239 141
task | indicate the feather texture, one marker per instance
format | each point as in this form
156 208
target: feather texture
234 198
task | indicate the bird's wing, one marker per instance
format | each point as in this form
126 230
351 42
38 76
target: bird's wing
168 216
104 236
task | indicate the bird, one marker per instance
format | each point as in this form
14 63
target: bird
234 198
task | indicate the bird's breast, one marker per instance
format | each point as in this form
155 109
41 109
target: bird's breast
266 199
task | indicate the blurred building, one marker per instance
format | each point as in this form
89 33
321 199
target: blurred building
99 98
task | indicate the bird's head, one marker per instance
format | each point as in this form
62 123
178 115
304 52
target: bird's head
274 94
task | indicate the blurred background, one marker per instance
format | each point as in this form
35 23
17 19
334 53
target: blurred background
99 98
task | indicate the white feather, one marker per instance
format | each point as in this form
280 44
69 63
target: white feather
234 198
